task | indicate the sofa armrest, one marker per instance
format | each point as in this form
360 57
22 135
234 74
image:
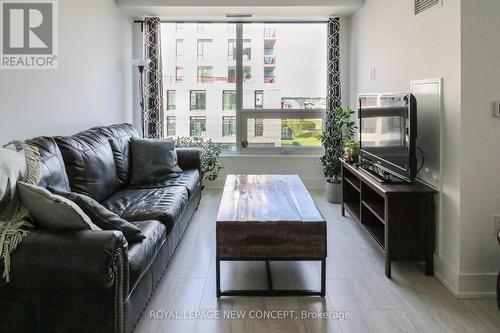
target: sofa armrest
189 158
69 260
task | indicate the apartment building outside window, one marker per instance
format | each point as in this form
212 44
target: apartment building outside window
283 84
203 47
198 100
198 126
179 27
171 100
259 99
171 126
200 28
229 100
228 126
179 49
259 127
204 74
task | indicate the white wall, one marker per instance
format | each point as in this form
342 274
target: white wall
480 158
385 35
92 85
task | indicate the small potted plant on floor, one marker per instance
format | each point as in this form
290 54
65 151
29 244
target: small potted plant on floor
338 129
351 149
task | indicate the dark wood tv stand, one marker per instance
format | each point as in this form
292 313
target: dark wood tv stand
399 217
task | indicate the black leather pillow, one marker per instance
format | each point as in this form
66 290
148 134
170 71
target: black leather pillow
90 164
119 138
104 218
153 161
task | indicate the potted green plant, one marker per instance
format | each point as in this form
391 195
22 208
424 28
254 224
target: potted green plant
339 128
351 149
210 155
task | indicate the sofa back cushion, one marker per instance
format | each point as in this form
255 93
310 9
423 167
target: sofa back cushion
119 138
52 170
90 164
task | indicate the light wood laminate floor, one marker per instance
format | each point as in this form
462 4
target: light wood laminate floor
410 302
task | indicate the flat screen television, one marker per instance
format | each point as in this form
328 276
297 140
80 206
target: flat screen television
388 134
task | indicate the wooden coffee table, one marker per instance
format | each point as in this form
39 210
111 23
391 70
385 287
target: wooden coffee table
269 218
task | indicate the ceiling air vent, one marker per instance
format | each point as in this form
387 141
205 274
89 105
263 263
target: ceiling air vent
423 6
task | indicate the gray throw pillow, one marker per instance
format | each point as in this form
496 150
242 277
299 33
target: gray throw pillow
104 218
153 161
53 211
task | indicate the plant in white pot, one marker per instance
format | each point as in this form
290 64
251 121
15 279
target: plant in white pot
338 129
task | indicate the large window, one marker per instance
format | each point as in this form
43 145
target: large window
229 100
198 126
228 126
198 100
251 87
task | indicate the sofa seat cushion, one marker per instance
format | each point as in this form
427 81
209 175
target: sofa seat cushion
163 204
190 179
142 253
90 164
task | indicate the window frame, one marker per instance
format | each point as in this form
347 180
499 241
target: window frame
232 125
169 100
256 92
175 125
195 91
232 92
243 114
201 51
191 118
179 55
202 78
261 131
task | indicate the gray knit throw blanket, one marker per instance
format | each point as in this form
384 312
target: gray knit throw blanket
15 220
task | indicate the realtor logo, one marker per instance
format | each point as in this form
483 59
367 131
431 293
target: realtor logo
29 34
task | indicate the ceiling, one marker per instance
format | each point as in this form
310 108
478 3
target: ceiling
261 9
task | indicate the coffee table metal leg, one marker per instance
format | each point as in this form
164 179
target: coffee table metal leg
323 277
269 276
217 277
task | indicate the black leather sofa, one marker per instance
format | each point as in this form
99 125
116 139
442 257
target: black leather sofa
94 281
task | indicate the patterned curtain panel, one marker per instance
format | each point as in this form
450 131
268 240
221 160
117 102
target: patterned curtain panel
333 93
153 116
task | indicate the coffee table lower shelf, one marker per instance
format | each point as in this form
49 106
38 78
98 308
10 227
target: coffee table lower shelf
270 291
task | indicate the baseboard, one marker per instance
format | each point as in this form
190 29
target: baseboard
466 285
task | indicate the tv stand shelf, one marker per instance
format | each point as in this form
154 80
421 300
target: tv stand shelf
399 217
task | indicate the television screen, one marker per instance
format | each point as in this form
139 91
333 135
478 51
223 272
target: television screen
384 134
